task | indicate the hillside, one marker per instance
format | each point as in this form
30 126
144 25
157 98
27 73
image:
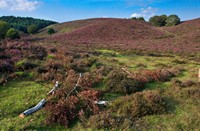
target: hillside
128 34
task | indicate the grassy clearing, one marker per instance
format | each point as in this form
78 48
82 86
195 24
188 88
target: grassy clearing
16 97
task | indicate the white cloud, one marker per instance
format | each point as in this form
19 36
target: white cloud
136 15
146 13
19 5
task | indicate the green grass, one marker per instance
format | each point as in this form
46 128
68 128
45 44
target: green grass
18 96
157 85
184 117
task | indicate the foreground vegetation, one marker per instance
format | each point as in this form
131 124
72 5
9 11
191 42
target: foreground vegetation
145 91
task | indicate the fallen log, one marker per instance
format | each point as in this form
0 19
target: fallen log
33 109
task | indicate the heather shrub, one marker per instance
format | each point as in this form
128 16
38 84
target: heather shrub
5 56
66 110
42 70
107 121
90 79
119 82
53 50
179 61
37 52
6 66
193 92
25 65
182 84
139 104
55 65
81 65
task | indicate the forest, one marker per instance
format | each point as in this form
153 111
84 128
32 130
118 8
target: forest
22 23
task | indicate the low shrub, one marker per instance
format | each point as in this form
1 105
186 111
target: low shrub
119 82
81 65
6 66
37 52
53 65
106 121
42 70
179 61
53 50
67 110
182 84
90 79
139 104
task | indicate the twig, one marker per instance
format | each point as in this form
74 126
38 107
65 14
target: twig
128 72
54 89
77 84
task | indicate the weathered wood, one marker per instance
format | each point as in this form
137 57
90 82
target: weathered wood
199 75
77 84
128 72
52 91
33 109
101 102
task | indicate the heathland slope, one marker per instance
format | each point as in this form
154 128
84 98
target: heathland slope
129 34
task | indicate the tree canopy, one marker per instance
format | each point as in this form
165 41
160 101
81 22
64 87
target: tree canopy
32 29
12 33
172 20
50 31
163 20
138 18
4 27
22 23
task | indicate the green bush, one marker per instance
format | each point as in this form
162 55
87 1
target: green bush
12 34
138 18
172 20
50 31
32 29
158 20
119 82
4 27
139 104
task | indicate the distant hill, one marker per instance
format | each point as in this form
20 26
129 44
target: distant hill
21 23
127 34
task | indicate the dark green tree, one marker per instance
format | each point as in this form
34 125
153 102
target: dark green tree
158 20
141 18
4 27
133 18
12 34
50 31
172 20
138 18
32 29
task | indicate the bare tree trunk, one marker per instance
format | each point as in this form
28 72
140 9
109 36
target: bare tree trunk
33 109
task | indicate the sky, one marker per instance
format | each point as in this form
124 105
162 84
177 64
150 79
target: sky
68 10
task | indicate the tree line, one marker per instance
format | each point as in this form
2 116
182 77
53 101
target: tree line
10 26
162 20
23 23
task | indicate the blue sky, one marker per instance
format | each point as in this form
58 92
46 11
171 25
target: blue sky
67 10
